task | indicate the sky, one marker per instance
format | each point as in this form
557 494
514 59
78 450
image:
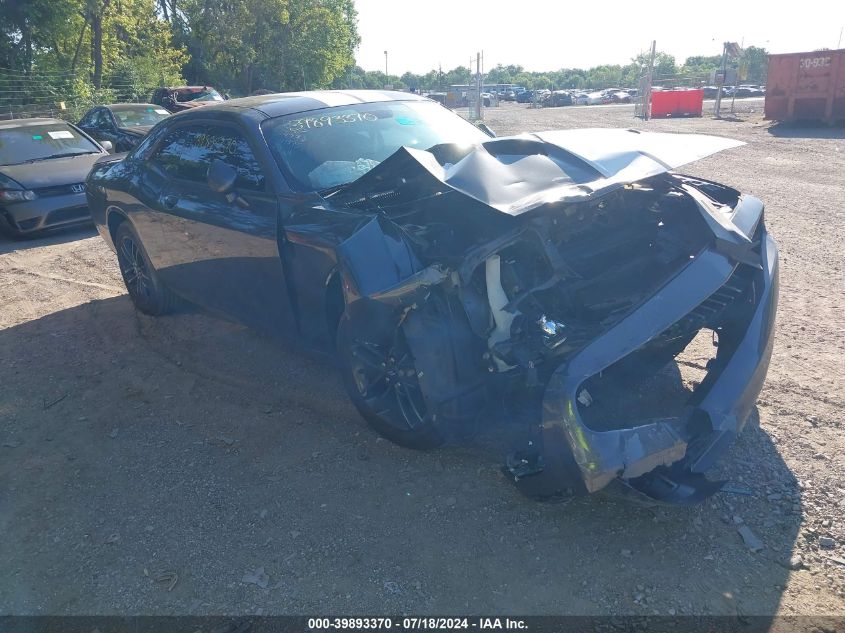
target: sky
552 34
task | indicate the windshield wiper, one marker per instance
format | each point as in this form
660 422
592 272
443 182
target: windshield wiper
33 160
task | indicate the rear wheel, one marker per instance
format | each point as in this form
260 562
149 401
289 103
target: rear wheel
145 288
382 382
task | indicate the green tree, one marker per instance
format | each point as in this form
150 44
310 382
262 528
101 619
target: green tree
323 39
664 65
755 61
33 29
276 44
75 51
457 76
701 64
225 39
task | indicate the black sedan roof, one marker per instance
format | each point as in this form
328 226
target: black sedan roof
283 103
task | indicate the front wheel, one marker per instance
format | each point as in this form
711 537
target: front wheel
382 382
145 288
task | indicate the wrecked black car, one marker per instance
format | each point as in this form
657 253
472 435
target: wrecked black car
446 268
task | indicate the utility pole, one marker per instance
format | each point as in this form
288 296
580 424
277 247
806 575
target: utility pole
649 78
721 81
478 86
385 68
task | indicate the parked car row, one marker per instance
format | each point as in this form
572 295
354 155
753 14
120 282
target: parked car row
549 98
745 91
512 94
742 92
44 162
556 98
122 124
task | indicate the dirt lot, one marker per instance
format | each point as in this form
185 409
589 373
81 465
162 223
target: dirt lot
166 466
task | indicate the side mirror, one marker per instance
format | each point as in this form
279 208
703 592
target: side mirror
221 177
107 145
484 128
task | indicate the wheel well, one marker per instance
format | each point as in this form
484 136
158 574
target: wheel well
335 305
115 219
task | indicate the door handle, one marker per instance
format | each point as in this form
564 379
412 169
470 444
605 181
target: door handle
170 201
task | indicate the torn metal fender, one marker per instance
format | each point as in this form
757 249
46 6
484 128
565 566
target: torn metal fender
374 258
386 288
601 456
659 458
413 288
730 239
731 397
381 266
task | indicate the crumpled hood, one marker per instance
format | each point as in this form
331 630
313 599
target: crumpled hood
53 172
631 155
519 173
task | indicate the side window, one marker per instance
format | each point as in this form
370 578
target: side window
186 153
102 121
178 156
88 119
143 149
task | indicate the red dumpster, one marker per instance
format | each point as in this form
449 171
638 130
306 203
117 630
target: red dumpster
677 103
806 86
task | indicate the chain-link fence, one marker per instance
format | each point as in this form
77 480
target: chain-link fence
68 94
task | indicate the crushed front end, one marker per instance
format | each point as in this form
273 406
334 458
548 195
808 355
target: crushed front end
602 318
662 456
575 276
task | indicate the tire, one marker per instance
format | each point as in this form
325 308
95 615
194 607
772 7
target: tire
145 288
381 380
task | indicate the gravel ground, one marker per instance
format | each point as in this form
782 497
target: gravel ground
186 465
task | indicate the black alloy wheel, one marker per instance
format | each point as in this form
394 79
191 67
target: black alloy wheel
383 382
145 289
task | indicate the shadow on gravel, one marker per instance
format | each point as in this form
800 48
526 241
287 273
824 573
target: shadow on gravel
185 465
58 237
805 129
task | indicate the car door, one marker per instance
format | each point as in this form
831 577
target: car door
221 251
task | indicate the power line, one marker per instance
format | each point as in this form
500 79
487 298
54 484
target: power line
37 71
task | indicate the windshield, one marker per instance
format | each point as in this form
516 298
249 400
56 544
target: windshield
143 115
37 142
324 148
206 94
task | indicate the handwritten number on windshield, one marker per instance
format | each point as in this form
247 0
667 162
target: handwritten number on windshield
310 123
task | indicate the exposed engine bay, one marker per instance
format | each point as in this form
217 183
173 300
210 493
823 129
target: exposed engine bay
570 277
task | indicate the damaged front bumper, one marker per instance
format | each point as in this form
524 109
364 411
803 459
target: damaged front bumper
46 212
663 459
